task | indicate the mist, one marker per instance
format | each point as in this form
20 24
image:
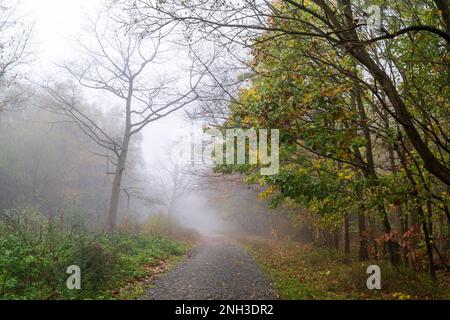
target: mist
239 149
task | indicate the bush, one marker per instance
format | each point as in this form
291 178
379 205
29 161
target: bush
160 225
35 252
157 225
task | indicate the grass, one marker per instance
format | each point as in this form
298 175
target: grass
305 272
136 287
34 258
107 262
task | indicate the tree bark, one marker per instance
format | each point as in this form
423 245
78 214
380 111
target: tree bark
363 253
431 163
346 235
348 34
336 239
115 191
427 243
370 173
121 162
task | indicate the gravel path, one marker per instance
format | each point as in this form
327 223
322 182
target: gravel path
216 270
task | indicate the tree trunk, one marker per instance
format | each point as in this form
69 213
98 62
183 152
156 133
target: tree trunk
372 237
430 217
431 163
418 217
398 207
349 37
363 253
393 247
371 173
403 228
346 235
336 239
115 191
427 242
121 161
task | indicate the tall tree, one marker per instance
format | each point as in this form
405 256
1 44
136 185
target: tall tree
340 25
15 46
124 65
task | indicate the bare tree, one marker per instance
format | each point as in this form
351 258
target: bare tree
174 181
15 37
125 65
15 46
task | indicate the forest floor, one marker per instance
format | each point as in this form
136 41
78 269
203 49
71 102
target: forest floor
216 269
307 272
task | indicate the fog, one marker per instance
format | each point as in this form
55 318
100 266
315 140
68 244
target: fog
56 24
129 129
198 214
63 133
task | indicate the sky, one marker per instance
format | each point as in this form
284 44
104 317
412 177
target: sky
56 22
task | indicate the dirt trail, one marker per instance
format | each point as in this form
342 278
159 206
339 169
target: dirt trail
216 270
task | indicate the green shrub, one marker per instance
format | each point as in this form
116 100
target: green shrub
35 252
157 225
